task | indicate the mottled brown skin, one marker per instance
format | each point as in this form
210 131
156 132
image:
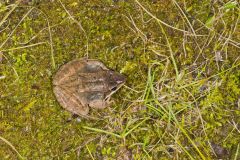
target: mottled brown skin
83 83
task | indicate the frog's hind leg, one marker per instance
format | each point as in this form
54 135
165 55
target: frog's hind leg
98 104
66 71
70 101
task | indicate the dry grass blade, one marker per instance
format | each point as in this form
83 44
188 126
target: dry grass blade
22 47
10 144
89 152
171 52
199 82
158 20
182 12
182 147
51 45
10 34
8 14
232 42
237 152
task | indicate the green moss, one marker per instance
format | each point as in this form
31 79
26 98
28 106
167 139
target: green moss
129 40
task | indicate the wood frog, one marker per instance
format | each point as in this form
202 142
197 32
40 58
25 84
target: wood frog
85 83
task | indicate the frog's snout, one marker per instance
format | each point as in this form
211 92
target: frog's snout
120 78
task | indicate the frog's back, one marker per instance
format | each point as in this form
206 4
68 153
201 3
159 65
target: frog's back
67 72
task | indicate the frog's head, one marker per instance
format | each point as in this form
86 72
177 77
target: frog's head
115 80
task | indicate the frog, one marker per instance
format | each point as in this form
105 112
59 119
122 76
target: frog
83 83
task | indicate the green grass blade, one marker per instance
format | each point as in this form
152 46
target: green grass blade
131 130
102 131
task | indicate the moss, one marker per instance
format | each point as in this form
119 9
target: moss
204 96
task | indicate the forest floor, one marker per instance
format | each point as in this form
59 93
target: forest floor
181 59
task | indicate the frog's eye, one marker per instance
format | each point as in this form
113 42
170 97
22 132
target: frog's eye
111 72
114 88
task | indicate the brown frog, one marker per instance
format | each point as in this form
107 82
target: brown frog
85 83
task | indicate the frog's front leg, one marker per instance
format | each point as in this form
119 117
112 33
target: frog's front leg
97 100
100 103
